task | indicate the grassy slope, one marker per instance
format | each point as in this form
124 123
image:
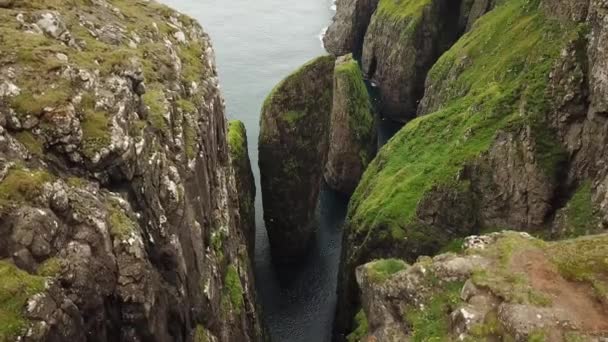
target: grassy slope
42 85
510 51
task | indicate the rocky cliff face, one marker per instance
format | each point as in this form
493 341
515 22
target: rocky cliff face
245 183
509 137
504 286
293 148
118 210
400 43
352 134
346 32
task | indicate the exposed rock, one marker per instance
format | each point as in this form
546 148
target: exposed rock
346 32
515 288
292 150
118 210
245 183
352 137
402 43
483 157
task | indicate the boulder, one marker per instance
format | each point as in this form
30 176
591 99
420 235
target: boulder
293 145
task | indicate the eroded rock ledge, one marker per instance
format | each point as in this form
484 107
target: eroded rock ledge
503 286
118 214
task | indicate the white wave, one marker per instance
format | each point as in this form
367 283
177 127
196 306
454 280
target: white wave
321 35
334 7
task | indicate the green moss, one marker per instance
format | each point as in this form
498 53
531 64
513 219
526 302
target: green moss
292 117
16 287
381 270
581 217
232 294
33 144
510 53
28 103
201 334
217 241
50 267
21 185
402 9
455 246
361 118
155 100
236 139
192 61
121 225
186 106
537 336
95 132
361 328
295 76
432 322
583 259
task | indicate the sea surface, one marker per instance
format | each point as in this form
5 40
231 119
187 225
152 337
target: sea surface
257 44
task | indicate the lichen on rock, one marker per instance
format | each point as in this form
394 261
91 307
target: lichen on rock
114 177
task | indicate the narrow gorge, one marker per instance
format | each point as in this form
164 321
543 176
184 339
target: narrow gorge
434 171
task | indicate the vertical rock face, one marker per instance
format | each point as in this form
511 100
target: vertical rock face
245 183
511 133
292 150
352 131
402 42
118 210
346 32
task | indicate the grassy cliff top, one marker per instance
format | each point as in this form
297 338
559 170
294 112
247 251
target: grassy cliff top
507 56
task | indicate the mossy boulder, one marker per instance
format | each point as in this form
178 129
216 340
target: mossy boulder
504 286
245 183
293 146
352 136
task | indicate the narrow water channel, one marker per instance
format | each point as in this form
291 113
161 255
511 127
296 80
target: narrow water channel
257 44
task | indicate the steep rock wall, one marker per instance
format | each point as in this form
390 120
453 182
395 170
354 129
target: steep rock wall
347 30
118 214
294 127
485 157
352 136
403 41
245 183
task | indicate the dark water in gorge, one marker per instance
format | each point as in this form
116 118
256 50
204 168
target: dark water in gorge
258 43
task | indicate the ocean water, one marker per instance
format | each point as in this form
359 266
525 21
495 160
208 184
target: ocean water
257 44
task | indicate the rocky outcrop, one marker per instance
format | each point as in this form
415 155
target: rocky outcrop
502 144
505 286
346 32
292 153
352 136
403 41
245 183
118 210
